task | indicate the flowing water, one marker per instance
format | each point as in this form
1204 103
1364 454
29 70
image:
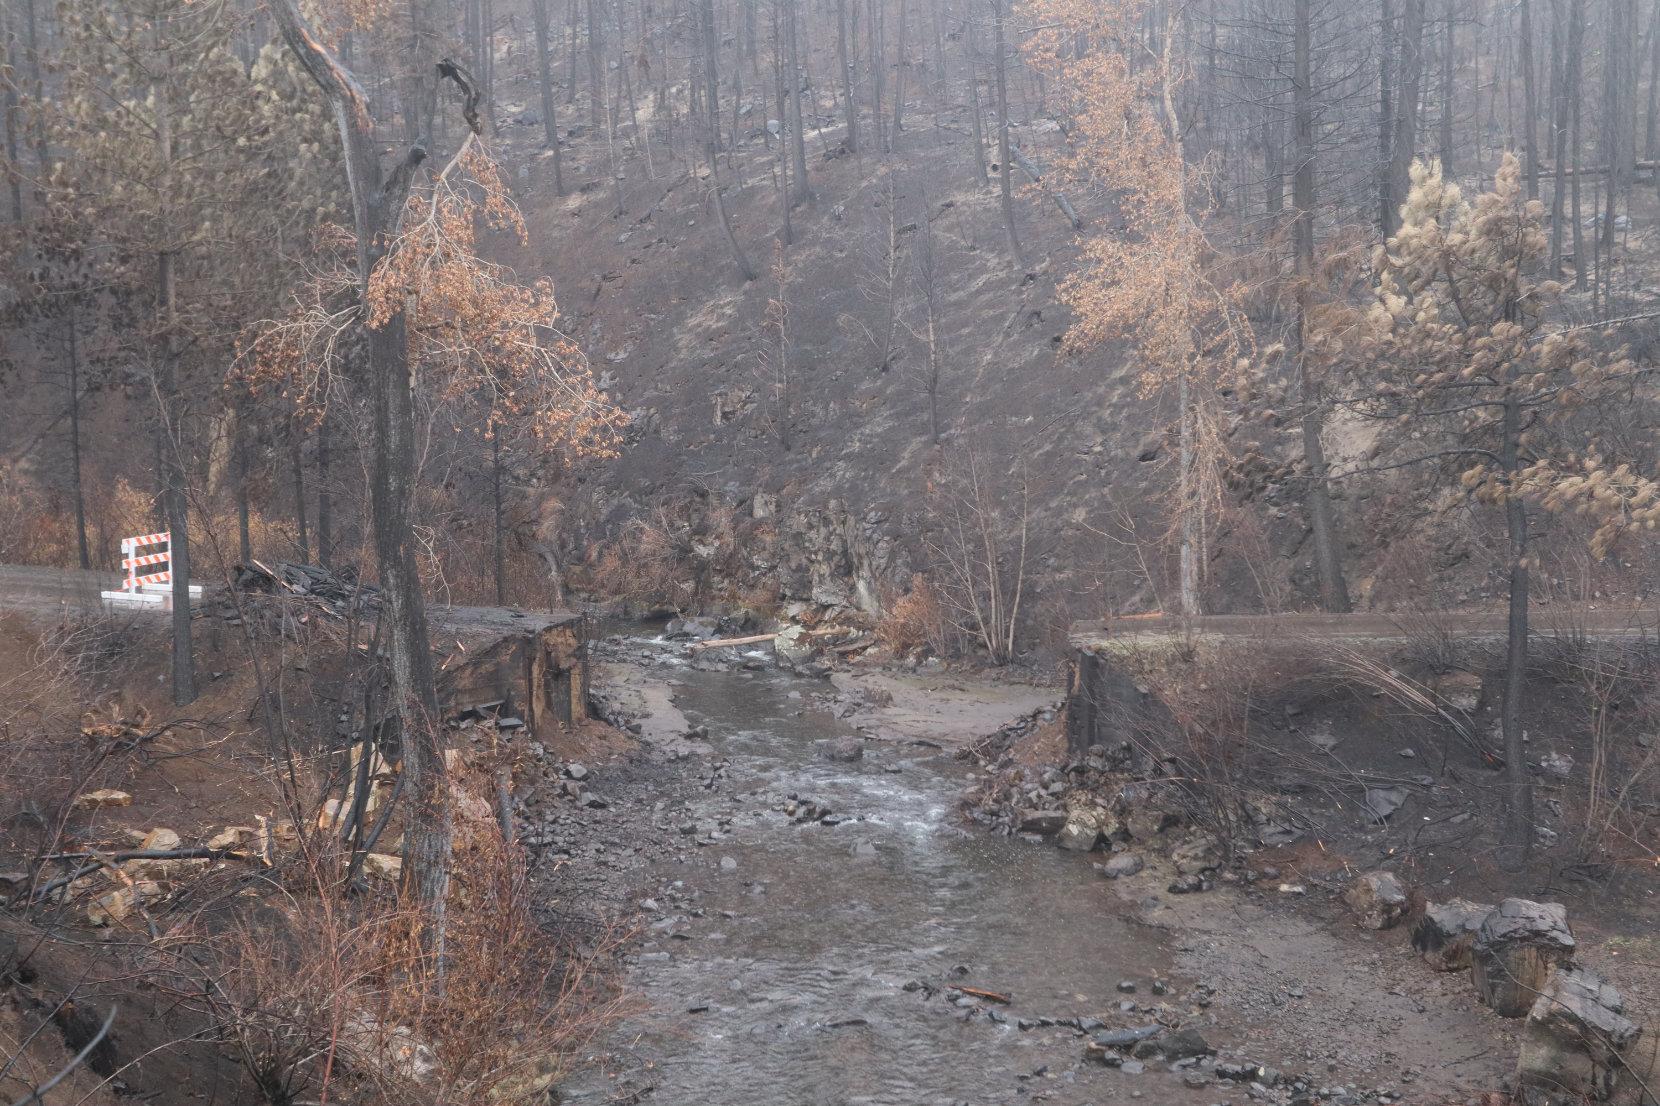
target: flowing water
778 972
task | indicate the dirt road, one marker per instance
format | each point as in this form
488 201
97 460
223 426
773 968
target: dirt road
50 591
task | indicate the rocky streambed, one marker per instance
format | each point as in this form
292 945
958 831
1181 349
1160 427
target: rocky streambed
818 924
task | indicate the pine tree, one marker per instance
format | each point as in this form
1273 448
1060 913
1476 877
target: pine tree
1462 360
174 157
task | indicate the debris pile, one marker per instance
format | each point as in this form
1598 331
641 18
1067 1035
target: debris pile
337 592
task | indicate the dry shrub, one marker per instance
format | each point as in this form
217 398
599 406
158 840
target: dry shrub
645 567
914 621
332 994
35 527
1207 690
44 755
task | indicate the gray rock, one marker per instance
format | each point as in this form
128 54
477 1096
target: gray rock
1127 1038
689 629
1122 865
1384 801
576 771
1044 822
793 648
1174 1045
1202 853
1515 951
1081 833
728 864
1573 1041
844 749
1445 932
1146 822
1462 691
1557 766
1378 900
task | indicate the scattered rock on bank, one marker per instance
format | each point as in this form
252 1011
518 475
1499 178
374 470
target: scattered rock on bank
1045 823
1081 833
1378 900
103 797
1122 865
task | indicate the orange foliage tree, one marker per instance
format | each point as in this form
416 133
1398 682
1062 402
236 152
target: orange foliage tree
1150 281
477 336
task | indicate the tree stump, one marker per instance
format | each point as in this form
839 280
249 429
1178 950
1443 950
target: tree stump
1515 951
1446 932
1378 900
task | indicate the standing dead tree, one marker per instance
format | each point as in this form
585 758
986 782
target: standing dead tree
379 196
929 329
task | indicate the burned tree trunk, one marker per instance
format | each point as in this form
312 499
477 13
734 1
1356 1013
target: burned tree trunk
1334 591
711 90
1403 144
378 198
544 83
848 104
1004 181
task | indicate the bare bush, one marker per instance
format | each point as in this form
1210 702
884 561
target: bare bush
916 620
979 542
1207 691
49 750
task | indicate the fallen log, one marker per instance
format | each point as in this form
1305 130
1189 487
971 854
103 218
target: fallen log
95 861
756 639
989 996
728 642
1027 166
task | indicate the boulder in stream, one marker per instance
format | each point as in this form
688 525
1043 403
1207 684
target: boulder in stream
796 650
1515 951
844 749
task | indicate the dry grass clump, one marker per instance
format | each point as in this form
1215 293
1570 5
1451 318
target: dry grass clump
328 996
915 621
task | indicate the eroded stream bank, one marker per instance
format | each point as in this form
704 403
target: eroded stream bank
815 928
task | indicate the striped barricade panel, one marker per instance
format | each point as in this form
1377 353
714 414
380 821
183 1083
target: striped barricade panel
132 560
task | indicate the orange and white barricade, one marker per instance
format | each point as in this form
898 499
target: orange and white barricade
143 582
